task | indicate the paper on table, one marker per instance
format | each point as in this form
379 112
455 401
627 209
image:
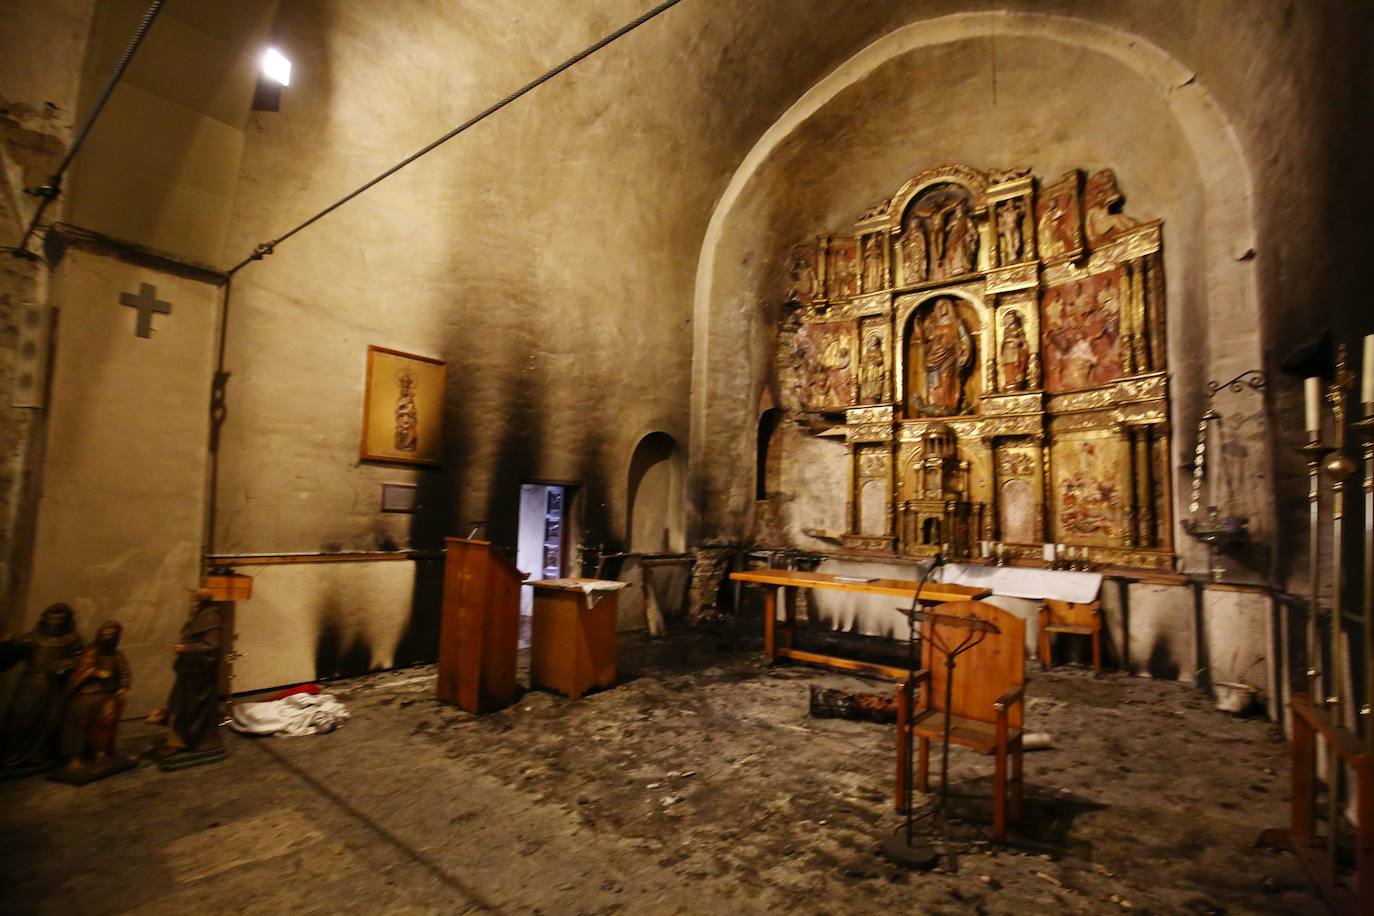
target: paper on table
588 587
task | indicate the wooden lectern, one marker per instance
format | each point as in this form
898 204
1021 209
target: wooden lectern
572 643
481 627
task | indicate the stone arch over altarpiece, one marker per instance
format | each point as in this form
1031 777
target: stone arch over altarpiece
1228 205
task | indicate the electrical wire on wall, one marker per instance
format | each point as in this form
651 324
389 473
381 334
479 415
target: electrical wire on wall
53 189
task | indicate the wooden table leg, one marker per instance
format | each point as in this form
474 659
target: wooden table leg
1017 779
903 746
770 613
999 783
789 598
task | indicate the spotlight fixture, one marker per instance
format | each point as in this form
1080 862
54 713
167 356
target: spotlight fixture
276 67
274 74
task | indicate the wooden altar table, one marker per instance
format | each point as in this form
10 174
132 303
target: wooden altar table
791 580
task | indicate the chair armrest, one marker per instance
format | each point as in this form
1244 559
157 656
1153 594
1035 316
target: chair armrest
1014 695
916 678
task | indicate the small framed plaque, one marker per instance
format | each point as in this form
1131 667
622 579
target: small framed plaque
398 497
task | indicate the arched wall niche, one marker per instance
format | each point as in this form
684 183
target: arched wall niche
913 308
654 496
768 453
1065 93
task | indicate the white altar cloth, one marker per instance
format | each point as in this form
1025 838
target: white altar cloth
1020 582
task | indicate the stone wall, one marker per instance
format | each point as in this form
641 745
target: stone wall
576 258
39 77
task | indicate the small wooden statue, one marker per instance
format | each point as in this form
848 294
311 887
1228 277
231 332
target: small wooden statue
95 700
29 730
1015 353
193 714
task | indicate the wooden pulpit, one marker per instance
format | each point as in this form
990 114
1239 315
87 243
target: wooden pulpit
480 632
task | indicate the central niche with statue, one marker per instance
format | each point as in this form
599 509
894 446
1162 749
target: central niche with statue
991 349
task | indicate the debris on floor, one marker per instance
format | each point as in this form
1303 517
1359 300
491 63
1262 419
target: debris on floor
698 784
829 703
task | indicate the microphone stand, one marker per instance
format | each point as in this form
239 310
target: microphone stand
902 847
911 855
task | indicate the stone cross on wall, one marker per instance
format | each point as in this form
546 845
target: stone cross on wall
147 303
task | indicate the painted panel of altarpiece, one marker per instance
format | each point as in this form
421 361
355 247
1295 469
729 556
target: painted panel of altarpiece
843 272
1082 331
1019 485
825 354
1089 489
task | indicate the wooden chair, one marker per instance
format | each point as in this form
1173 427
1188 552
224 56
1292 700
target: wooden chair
985 707
1075 619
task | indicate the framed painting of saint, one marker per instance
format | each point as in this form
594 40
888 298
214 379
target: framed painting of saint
403 408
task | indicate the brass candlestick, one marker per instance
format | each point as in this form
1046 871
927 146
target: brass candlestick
1338 467
1365 428
1315 452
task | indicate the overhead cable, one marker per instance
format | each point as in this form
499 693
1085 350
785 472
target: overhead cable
267 248
50 191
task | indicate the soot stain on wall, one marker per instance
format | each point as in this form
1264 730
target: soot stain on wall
340 649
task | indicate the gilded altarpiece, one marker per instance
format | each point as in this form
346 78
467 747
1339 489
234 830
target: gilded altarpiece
991 349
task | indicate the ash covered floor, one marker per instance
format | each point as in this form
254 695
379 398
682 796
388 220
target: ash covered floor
700 784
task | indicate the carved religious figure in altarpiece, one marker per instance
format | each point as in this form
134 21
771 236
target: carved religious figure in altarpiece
1010 360
947 349
873 375
1015 352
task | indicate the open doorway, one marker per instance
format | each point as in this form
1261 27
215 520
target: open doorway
542 540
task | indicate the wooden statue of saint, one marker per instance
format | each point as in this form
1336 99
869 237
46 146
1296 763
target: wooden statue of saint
193 715
29 730
873 264
961 241
948 353
1015 353
96 694
1009 231
873 375
915 251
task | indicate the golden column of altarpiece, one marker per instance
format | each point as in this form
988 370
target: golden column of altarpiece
992 351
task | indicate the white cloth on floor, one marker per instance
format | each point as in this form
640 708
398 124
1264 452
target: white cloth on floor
298 714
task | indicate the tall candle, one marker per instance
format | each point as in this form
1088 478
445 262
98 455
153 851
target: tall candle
1312 397
983 549
1048 553
1367 388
